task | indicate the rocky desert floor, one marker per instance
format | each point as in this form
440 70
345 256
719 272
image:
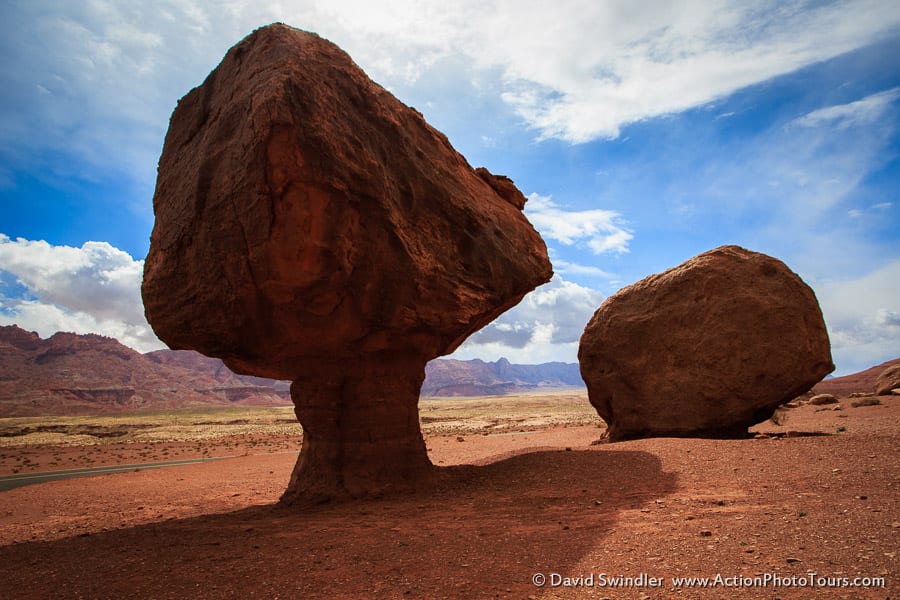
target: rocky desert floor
527 505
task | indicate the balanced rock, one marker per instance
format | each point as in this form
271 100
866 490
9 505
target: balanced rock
707 348
311 227
888 381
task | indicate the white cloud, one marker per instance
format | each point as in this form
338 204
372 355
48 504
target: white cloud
864 112
97 81
580 71
562 266
91 289
602 230
96 289
800 173
544 327
863 317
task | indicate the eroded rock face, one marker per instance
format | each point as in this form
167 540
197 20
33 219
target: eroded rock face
888 381
311 227
707 348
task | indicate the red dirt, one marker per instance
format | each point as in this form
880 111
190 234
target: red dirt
541 502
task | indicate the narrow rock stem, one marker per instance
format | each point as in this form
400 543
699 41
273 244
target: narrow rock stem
361 434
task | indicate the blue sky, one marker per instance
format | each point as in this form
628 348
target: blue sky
643 133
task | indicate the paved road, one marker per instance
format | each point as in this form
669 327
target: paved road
9 482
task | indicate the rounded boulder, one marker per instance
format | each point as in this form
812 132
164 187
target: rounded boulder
705 349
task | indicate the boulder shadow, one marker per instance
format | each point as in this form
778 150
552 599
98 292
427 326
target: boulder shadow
475 532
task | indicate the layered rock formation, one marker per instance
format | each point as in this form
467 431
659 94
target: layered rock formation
311 227
707 348
70 374
449 377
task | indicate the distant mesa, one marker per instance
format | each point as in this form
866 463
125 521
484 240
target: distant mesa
94 374
71 374
449 377
705 349
311 227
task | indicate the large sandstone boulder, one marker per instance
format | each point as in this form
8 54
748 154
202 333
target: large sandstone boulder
888 380
707 348
311 227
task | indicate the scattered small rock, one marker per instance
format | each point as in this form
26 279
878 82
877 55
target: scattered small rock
820 399
705 533
792 560
869 401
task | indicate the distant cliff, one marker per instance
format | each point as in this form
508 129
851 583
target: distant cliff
85 374
69 374
447 377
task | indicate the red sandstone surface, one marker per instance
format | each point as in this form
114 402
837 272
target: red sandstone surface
706 349
311 227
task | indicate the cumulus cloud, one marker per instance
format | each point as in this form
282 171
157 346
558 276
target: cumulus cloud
91 289
96 289
544 327
600 230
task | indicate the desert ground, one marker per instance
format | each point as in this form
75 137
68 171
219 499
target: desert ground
527 505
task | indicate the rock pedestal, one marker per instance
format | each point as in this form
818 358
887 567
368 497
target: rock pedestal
311 227
361 432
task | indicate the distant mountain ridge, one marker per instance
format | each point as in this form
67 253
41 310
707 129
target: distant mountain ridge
450 377
69 373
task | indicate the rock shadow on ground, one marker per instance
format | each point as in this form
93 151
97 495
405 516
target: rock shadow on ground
477 532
